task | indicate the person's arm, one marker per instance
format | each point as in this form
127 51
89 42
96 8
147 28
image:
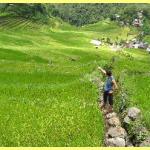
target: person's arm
115 84
102 70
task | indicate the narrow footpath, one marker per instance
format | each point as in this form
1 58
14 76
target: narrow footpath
115 135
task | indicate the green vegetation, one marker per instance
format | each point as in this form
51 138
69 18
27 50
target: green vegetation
135 75
82 14
28 11
79 14
47 96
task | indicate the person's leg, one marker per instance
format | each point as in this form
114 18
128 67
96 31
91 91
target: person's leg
105 95
110 99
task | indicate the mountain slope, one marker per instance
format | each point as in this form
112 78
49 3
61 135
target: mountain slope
46 72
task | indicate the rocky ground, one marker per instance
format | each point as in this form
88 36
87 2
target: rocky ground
117 131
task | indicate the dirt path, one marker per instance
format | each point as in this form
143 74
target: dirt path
115 135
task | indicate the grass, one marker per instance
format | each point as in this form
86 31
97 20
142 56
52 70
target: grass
109 29
136 80
46 94
45 98
147 38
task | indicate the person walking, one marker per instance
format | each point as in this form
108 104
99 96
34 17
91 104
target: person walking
109 87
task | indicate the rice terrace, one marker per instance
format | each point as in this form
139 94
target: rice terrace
52 57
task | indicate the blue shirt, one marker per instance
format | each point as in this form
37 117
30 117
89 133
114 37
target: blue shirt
108 84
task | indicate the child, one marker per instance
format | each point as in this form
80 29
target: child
109 87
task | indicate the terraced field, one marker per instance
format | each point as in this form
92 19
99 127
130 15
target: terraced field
46 94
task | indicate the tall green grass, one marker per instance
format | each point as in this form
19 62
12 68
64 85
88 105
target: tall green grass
44 95
136 80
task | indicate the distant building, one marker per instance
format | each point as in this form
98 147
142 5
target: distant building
148 49
96 43
136 44
137 23
140 14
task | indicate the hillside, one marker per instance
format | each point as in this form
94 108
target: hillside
46 97
47 93
82 14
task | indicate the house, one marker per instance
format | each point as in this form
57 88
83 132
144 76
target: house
96 43
137 23
148 49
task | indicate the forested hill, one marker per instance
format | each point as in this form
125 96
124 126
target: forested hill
81 14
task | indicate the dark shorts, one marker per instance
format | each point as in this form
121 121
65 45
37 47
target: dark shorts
109 97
